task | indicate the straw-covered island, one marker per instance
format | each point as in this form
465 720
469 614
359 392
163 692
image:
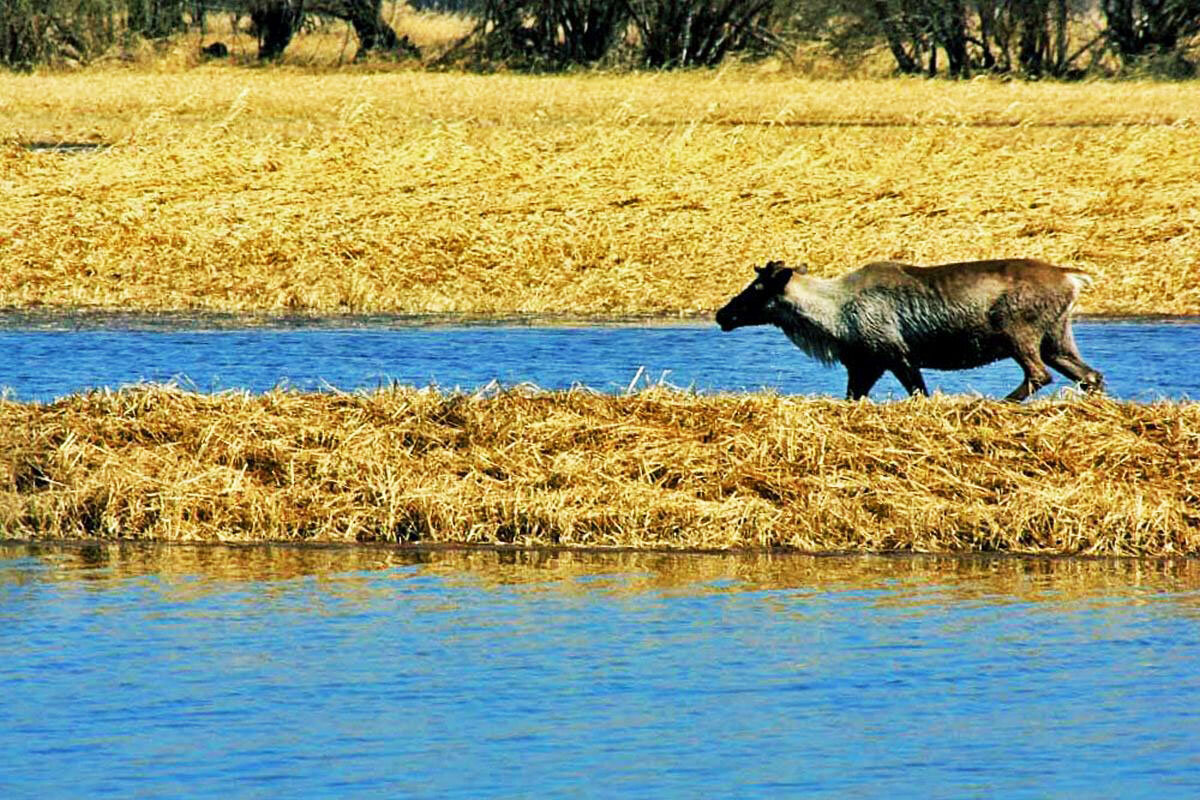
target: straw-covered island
659 468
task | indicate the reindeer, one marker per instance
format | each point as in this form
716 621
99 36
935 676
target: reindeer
898 317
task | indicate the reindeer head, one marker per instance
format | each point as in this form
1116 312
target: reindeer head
753 305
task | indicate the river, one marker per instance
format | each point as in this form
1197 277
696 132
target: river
1142 360
207 671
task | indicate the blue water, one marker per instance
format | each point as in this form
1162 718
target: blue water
1141 360
209 671
169 671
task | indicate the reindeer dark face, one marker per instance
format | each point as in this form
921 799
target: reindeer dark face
752 306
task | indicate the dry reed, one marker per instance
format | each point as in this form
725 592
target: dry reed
284 191
659 468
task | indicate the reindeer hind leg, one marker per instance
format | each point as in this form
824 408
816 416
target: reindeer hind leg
1060 352
1036 374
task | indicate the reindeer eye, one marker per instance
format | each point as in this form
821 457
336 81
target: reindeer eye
758 287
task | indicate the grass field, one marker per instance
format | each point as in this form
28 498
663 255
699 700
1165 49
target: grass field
290 189
309 189
652 469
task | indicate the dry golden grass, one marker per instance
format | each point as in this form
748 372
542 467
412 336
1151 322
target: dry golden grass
655 469
277 189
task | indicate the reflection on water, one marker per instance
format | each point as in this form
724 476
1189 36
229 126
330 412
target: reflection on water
995 577
160 669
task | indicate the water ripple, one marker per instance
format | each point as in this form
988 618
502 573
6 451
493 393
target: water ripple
206 671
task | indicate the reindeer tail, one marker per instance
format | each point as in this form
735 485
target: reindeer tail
1079 279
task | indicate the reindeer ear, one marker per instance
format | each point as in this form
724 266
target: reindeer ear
776 274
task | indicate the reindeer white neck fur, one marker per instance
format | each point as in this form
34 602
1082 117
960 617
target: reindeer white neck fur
809 311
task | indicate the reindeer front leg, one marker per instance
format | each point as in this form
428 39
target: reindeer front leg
910 377
860 378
